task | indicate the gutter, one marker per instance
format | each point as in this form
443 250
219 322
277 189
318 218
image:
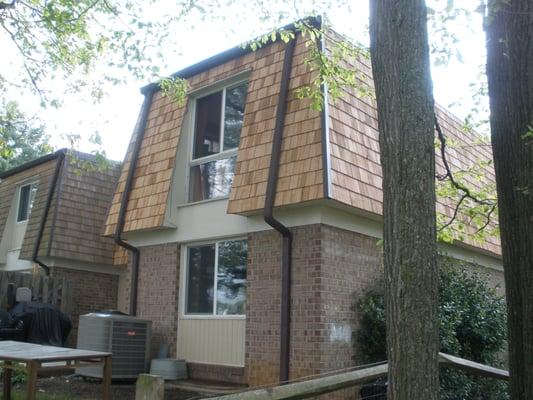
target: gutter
324 126
31 164
60 155
135 252
276 224
224 57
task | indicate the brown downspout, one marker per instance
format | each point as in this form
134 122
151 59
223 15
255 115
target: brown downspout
35 255
135 252
273 222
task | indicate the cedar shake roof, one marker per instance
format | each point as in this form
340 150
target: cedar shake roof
350 145
79 206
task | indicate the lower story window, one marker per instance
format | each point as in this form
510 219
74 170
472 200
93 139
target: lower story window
216 278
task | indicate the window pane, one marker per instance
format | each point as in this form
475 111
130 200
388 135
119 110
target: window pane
33 192
200 280
231 277
207 128
212 179
234 112
24 200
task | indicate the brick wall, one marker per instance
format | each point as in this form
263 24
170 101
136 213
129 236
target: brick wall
91 291
158 293
330 268
216 373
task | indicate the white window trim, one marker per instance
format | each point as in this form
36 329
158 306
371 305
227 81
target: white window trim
19 192
221 155
184 275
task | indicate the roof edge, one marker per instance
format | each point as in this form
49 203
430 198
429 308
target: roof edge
224 56
33 163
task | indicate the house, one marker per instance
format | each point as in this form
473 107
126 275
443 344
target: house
252 219
52 211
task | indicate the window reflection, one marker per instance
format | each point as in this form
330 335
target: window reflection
200 279
231 278
233 115
208 110
212 179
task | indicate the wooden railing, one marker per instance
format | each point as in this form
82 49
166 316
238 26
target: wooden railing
328 384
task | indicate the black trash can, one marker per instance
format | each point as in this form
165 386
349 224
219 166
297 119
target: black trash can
375 391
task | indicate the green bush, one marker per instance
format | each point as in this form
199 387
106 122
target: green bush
472 326
18 374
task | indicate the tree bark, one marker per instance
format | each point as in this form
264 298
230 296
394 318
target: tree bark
510 77
401 68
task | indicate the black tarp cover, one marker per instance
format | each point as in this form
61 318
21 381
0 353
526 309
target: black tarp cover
43 323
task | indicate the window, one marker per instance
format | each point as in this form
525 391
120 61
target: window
26 197
216 278
217 132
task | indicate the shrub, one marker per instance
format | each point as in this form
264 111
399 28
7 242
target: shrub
472 326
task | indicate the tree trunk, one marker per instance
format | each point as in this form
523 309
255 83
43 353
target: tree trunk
401 68
510 77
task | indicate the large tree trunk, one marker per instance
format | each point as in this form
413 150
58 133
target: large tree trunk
401 68
510 76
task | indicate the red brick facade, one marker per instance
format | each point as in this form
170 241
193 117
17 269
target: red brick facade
91 291
216 373
331 267
158 294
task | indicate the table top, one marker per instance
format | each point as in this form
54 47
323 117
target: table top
25 352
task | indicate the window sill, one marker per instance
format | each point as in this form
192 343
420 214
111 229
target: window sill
194 203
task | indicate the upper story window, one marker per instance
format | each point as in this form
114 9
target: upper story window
216 278
217 132
25 203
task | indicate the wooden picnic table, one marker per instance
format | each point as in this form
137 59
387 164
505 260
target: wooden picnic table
36 356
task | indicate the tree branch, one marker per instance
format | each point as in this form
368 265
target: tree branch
5 6
467 193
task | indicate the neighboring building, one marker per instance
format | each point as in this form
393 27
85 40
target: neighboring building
51 214
210 267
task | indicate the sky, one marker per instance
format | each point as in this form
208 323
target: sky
115 116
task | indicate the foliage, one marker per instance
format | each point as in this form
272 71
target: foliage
472 326
22 139
18 374
68 39
470 194
175 88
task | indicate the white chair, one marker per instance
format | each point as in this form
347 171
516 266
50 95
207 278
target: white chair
23 295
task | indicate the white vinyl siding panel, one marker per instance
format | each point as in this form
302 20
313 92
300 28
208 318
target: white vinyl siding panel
212 341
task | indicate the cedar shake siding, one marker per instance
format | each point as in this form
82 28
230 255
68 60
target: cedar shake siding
347 145
301 165
81 199
79 207
355 158
81 211
42 176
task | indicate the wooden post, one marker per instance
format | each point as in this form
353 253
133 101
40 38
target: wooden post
7 380
31 389
150 387
106 381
